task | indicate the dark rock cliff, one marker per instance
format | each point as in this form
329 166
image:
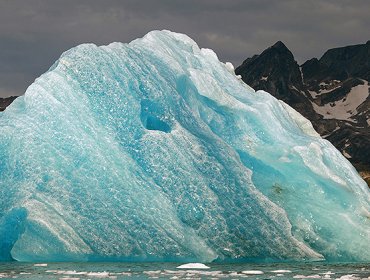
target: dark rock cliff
5 102
332 92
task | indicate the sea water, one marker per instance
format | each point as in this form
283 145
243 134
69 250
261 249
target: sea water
75 271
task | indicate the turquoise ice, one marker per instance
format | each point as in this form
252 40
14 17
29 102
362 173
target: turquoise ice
155 151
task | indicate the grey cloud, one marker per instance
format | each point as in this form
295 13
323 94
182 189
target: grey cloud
34 33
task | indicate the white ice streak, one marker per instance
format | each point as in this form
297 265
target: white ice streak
193 266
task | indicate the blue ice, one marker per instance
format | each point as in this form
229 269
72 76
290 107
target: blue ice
155 151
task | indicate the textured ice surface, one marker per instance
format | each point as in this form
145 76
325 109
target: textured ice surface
154 150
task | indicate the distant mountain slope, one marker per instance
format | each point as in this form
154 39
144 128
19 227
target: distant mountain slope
5 102
332 92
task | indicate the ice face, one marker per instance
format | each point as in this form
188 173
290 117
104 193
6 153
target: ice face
155 151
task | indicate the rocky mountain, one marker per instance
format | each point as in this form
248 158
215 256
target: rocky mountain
332 92
5 102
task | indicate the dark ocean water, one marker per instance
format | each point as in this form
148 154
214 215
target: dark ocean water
75 271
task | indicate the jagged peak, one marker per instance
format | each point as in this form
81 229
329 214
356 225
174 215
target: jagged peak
311 61
280 45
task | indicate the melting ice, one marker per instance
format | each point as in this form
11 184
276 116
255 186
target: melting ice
155 151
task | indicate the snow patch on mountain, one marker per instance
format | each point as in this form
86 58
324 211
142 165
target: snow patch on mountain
345 108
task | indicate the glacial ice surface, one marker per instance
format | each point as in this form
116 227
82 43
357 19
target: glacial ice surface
155 151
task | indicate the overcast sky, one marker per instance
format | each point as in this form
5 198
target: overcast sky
33 33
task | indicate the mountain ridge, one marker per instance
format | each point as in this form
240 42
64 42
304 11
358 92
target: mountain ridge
332 92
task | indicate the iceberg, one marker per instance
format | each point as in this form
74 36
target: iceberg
156 151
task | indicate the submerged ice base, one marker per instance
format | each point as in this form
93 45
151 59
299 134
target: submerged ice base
155 151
